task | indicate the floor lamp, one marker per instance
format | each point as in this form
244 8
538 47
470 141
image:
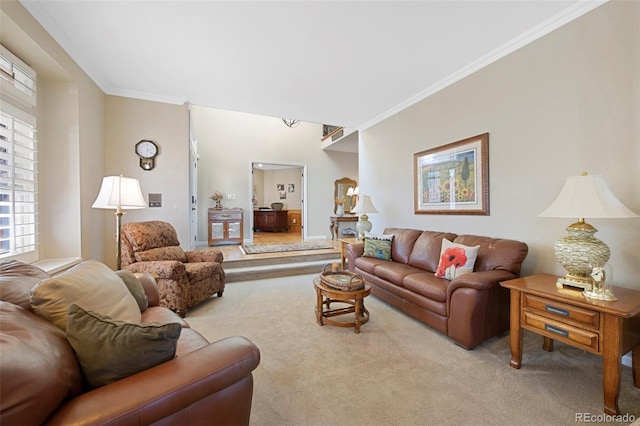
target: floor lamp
119 193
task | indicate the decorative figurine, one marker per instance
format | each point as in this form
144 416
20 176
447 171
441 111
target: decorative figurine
600 289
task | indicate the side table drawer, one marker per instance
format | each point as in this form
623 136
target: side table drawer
225 216
562 312
562 332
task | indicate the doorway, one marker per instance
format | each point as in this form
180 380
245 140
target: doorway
273 183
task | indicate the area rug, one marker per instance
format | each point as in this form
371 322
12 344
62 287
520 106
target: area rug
275 248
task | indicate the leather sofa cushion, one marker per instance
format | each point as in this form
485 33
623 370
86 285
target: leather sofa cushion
92 285
38 367
190 340
426 250
427 284
395 272
16 281
110 350
496 253
402 244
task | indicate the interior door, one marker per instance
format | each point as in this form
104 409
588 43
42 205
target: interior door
193 186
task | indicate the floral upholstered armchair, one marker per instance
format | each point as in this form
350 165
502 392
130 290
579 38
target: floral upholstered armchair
185 278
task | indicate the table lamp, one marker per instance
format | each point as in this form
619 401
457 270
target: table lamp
119 193
364 206
585 196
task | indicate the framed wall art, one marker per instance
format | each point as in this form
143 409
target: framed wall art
453 178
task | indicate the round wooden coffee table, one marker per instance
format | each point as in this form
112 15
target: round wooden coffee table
354 298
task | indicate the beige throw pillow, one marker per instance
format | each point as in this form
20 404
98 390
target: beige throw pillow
92 285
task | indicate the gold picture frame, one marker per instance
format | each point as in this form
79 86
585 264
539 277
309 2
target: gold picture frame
453 178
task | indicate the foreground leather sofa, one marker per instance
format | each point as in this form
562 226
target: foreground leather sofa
470 308
41 380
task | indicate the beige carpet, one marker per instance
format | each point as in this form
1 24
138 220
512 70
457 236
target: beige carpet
396 371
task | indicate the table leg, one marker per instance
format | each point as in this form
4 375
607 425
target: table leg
635 366
611 362
318 306
357 305
515 331
333 227
547 343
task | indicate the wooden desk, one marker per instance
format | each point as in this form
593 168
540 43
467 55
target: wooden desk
270 220
609 329
343 248
334 226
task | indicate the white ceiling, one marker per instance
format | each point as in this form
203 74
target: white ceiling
334 62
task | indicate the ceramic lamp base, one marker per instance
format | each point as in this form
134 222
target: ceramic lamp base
363 225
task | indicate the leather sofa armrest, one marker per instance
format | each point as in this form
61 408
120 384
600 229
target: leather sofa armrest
157 393
207 255
481 280
150 287
354 251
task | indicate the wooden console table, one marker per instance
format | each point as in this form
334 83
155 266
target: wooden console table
609 329
334 226
225 226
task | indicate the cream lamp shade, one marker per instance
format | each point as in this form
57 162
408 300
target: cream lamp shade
119 193
364 206
585 196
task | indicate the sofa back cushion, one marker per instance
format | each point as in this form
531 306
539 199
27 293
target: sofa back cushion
16 281
143 236
496 253
92 285
402 243
38 367
426 250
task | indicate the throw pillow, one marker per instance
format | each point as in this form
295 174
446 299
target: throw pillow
378 246
135 288
90 284
109 350
456 259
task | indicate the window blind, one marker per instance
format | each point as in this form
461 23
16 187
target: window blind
18 158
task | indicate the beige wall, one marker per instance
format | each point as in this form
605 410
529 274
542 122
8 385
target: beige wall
127 121
229 142
70 138
566 103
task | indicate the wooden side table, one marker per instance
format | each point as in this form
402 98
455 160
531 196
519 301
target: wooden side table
355 298
609 329
343 248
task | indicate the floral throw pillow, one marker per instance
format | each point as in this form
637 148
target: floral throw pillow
378 246
456 259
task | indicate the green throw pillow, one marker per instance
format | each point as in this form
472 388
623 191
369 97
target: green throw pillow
135 288
109 350
378 246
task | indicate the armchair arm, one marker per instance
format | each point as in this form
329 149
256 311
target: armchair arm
208 255
166 389
162 269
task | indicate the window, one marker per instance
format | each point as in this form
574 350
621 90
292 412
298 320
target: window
18 157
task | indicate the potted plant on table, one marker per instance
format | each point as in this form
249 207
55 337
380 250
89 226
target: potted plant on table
217 197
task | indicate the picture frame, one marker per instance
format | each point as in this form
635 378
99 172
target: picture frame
279 186
291 187
460 168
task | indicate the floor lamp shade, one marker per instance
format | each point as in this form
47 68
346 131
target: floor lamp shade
585 196
119 193
364 206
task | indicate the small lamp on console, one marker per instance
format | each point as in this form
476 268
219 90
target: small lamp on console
585 196
364 206
119 193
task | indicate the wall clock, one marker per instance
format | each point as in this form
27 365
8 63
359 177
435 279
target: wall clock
147 151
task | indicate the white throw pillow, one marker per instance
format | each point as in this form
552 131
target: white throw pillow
456 259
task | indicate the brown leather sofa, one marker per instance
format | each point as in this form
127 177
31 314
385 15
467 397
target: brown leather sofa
470 308
185 278
41 379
